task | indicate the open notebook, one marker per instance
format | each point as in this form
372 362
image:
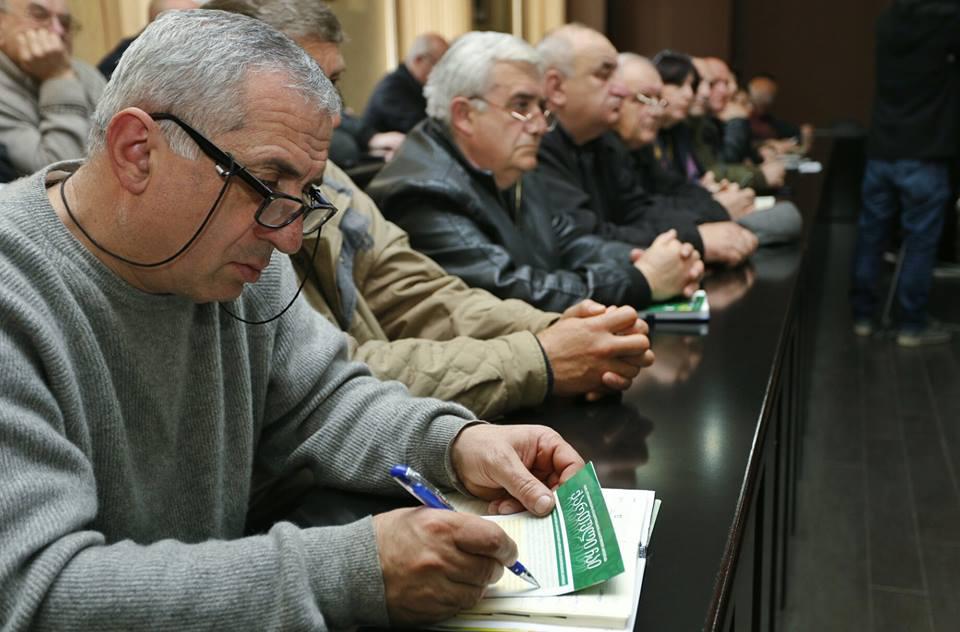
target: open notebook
611 605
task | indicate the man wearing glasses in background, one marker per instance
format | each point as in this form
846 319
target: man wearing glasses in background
157 370
463 186
46 96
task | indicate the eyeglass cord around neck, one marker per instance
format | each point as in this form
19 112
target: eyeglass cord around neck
228 174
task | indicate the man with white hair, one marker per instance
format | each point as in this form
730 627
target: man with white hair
109 63
46 96
590 176
463 186
397 102
157 368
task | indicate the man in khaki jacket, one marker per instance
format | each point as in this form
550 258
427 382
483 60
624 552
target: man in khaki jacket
411 321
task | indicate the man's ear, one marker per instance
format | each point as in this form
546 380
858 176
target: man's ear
553 88
132 137
461 116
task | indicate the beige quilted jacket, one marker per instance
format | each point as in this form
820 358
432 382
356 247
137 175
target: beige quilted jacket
411 321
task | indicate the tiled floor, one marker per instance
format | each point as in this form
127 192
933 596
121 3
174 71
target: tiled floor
877 546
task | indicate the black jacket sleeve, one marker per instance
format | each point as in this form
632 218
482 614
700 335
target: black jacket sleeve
463 249
737 146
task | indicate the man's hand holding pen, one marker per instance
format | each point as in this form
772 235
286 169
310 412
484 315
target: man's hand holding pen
436 563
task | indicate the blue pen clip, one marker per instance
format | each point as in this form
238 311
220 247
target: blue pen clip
422 490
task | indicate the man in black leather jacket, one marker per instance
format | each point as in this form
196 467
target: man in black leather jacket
463 187
590 174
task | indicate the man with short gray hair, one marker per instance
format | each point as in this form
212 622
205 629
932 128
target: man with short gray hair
157 368
46 96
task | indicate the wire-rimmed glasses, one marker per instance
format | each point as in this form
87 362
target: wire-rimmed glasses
652 102
536 108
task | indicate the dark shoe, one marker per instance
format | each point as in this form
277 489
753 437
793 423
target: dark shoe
932 334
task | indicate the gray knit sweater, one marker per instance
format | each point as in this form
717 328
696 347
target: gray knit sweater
133 427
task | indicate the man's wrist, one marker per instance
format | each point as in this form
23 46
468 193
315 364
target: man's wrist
549 368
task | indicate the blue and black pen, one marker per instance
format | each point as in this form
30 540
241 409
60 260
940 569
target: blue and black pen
430 496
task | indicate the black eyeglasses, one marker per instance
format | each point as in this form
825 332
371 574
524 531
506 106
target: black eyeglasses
277 209
529 114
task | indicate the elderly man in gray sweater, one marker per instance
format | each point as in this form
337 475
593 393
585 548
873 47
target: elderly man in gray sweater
156 368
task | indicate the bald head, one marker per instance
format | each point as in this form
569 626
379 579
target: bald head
561 47
638 73
579 81
159 6
424 53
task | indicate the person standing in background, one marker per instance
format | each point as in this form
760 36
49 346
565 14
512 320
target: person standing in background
913 139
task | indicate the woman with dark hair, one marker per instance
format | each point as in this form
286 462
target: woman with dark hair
674 146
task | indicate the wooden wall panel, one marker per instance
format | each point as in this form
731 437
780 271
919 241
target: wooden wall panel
821 50
698 27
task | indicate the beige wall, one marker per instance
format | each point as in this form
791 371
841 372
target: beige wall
379 30
372 49
104 23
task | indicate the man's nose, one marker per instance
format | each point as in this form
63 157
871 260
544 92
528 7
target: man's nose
618 89
57 27
287 239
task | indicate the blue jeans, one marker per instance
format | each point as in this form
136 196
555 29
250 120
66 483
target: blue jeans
918 189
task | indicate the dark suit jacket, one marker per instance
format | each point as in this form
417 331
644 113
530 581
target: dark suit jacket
597 186
397 103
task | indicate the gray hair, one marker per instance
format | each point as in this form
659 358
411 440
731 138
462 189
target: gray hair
196 64
298 19
465 69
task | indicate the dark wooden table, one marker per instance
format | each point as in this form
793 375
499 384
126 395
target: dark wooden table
713 428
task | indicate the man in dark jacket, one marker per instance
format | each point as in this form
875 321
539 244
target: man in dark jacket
913 138
462 186
589 170
397 102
